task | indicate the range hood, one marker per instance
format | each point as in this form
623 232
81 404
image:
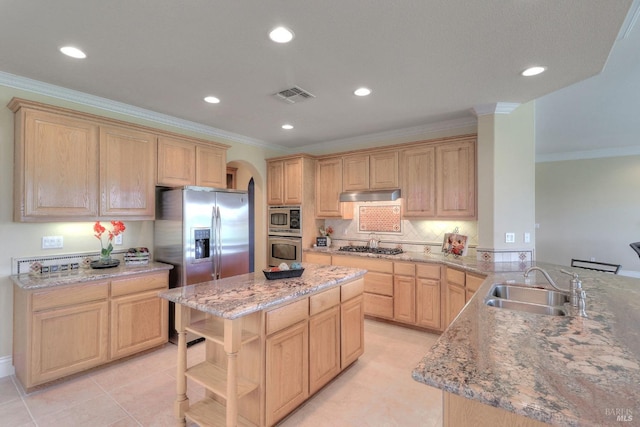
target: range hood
370 196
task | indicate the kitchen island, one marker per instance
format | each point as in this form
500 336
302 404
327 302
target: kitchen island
270 344
519 368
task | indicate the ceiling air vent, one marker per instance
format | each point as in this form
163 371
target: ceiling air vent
294 95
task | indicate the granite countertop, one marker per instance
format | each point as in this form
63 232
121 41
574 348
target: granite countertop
565 371
81 275
240 295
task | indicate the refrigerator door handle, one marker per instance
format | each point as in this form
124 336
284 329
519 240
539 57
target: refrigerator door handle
214 266
219 242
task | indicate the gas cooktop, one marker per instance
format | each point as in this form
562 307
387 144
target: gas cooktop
367 249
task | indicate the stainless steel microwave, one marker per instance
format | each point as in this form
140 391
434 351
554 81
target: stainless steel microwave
285 221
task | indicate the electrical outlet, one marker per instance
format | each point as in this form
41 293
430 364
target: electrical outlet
527 237
510 237
592 259
52 242
117 240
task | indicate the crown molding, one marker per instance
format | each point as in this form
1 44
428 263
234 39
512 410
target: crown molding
590 154
411 132
41 88
495 108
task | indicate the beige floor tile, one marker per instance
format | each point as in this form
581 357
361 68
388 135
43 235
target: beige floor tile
15 413
8 390
61 396
96 412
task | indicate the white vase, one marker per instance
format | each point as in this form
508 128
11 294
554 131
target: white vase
328 241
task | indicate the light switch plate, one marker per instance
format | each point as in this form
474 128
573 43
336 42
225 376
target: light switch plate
52 242
510 237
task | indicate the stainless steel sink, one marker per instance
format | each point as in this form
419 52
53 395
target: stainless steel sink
529 295
530 300
529 308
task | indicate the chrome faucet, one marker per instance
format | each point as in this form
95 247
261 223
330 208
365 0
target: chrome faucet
546 276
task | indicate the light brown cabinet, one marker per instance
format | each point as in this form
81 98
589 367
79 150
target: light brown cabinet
317 258
404 292
418 182
461 286
456 180
352 330
429 296
439 179
328 188
56 166
284 181
373 171
127 173
138 316
324 346
63 330
184 162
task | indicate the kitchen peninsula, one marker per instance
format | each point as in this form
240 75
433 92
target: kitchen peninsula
270 344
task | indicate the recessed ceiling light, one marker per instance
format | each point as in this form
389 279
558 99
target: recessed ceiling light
363 91
212 100
533 71
73 52
281 35
287 127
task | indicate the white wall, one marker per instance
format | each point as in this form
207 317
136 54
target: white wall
589 208
23 240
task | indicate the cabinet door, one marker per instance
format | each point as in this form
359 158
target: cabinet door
418 182
356 173
455 301
68 340
127 173
352 330
316 258
211 167
456 180
275 182
287 367
404 299
428 303
176 162
293 181
324 348
384 170
138 322
328 188
56 167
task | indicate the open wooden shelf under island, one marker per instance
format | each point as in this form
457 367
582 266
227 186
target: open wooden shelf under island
270 344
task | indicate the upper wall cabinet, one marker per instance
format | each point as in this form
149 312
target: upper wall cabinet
328 188
284 182
439 179
183 162
56 166
127 172
372 171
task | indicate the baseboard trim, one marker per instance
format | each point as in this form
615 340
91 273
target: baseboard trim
6 366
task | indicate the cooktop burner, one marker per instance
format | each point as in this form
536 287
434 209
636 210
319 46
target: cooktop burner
367 249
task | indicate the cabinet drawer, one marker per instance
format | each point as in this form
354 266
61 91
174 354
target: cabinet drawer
352 289
324 300
132 285
378 283
429 271
378 305
290 314
370 264
474 281
404 268
69 295
455 277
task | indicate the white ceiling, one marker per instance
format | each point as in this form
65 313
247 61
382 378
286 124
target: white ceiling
426 61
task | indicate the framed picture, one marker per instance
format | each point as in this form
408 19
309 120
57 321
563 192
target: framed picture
455 244
321 242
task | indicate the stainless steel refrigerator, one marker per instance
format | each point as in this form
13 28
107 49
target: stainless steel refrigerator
204 234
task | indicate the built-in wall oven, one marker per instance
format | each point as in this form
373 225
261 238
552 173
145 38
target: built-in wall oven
284 249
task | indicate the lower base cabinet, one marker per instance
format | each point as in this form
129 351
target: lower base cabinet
287 361
324 348
64 330
352 330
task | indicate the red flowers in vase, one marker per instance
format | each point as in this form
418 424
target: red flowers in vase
117 228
